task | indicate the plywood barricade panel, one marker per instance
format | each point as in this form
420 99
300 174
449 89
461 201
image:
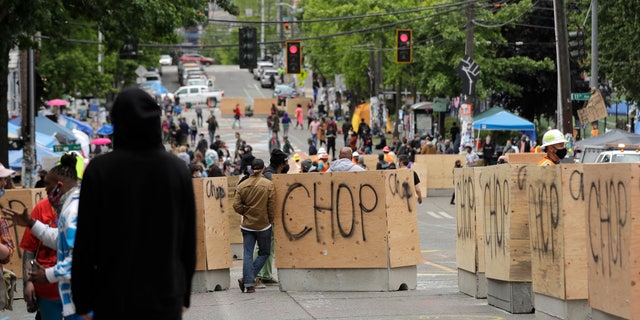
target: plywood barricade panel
504 210
291 105
437 170
346 220
524 158
18 200
613 238
213 247
262 106
370 160
557 231
469 235
227 105
466 236
235 236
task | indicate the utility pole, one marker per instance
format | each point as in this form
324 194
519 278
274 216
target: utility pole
29 161
594 83
564 110
469 44
262 30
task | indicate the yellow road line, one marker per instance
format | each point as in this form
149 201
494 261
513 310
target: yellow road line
439 266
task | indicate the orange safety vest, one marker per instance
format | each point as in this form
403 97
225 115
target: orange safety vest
545 162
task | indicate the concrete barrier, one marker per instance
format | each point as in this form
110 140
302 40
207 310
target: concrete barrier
346 231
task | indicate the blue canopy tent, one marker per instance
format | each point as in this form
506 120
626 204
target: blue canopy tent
620 108
71 123
41 138
46 126
155 87
15 156
507 121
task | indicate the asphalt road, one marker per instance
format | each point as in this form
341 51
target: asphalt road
436 296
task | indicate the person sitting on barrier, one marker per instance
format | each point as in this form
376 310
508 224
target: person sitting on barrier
554 145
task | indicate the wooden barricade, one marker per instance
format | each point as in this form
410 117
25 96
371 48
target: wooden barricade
235 236
228 105
212 228
507 251
293 103
556 205
524 158
18 200
346 220
613 238
262 106
470 233
435 170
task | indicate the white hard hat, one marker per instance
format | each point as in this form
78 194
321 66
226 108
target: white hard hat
355 154
322 150
553 136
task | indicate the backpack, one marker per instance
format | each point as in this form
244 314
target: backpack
312 149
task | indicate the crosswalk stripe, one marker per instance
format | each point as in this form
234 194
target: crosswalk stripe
433 214
446 215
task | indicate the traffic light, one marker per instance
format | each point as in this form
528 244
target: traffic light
248 53
294 56
578 44
404 46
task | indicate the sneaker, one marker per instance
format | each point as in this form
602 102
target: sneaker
269 281
259 284
251 289
241 284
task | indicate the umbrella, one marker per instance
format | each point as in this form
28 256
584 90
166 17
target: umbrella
105 130
57 102
101 141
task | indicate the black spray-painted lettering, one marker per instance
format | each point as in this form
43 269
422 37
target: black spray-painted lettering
607 214
465 197
544 214
496 209
217 192
339 220
402 189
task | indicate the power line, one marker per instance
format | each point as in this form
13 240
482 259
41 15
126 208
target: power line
343 18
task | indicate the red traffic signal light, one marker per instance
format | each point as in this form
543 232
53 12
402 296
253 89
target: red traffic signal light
404 46
286 25
294 56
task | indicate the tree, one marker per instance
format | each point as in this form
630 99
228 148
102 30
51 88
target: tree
144 21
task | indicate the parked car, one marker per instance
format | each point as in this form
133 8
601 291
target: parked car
196 57
199 95
165 60
258 70
152 76
265 78
283 92
192 73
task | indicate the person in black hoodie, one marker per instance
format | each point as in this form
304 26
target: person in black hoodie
135 247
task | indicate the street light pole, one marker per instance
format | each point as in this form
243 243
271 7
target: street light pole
593 82
564 112
262 31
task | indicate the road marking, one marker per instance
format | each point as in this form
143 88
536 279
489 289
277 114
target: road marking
444 214
433 214
439 266
258 89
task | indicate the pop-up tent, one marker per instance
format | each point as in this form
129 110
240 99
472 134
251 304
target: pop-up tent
505 120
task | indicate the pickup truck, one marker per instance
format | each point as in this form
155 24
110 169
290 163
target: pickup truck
199 95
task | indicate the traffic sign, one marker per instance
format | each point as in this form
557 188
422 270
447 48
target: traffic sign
580 96
66 147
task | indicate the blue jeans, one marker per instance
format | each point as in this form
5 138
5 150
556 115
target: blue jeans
50 309
251 267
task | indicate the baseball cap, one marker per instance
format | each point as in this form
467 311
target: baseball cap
386 149
4 172
278 157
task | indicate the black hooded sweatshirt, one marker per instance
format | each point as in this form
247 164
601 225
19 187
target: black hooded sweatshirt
135 247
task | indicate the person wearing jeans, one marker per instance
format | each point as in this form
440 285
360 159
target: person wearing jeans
255 202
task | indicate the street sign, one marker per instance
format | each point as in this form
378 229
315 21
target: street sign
66 147
581 96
